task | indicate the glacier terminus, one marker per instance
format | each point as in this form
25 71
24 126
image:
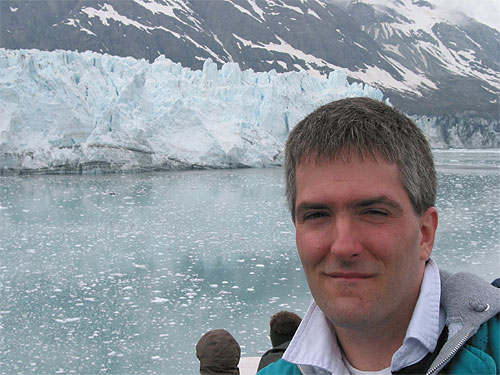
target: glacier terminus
67 112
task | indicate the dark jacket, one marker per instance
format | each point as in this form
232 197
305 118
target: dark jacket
272 355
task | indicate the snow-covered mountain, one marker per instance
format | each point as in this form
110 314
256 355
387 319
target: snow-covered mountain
428 61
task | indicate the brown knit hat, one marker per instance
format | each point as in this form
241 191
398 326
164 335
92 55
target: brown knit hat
218 352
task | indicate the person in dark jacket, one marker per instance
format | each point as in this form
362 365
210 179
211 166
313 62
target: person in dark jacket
218 352
282 328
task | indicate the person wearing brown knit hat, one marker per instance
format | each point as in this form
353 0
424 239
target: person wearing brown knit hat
218 352
282 328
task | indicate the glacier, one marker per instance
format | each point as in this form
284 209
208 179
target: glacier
84 112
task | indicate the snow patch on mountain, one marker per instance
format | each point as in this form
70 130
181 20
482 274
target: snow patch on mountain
417 21
423 14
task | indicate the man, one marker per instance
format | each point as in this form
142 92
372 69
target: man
282 327
361 187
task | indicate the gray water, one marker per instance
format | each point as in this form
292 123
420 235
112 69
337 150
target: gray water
122 274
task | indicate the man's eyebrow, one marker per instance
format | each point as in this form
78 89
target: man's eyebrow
310 206
305 206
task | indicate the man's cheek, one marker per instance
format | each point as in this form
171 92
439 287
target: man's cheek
310 256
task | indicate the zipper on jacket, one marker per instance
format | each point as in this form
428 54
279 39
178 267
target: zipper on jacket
450 354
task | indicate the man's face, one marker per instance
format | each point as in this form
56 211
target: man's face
361 244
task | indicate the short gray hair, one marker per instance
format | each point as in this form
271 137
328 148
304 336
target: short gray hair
364 127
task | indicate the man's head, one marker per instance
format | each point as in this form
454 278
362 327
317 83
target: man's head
364 127
361 187
283 326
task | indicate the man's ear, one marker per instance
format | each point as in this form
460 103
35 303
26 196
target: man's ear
428 226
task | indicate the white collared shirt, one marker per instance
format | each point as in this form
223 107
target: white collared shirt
315 343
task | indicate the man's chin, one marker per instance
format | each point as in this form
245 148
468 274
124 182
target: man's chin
347 312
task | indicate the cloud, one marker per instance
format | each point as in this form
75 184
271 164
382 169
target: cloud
484 11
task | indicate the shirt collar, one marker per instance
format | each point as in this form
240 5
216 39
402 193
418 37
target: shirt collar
426 324
315 343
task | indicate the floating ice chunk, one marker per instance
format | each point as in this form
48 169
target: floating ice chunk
67 320
160 300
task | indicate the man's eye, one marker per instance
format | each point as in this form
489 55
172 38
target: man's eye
314 215
375 212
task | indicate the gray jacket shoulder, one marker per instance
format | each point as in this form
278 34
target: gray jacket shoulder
468 301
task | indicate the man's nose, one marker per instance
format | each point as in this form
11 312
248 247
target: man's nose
345 238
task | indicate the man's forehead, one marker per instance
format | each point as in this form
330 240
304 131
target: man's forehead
353 168
345 155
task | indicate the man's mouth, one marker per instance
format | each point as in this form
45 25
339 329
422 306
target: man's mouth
350 275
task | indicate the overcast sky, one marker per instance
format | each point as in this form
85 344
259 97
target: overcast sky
485 11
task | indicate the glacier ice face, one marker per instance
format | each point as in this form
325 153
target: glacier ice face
69 111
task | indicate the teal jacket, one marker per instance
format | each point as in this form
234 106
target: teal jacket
472 309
